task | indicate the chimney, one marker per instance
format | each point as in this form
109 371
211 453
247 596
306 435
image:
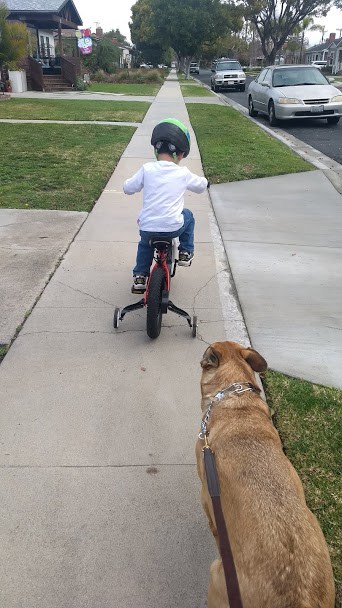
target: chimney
99 32
332 37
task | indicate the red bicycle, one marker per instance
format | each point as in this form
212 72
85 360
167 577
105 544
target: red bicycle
157 294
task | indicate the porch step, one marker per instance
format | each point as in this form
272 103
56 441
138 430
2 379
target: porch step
56 82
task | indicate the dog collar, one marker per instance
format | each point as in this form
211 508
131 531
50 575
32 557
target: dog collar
236 388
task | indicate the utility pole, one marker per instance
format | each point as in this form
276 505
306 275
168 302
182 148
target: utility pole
339 29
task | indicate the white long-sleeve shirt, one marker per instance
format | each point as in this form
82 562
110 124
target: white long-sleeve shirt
164 184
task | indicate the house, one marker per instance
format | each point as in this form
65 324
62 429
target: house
46 67
326 51
337 60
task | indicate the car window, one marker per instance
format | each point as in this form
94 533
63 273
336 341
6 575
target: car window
268 76
228 65
292 77
262 75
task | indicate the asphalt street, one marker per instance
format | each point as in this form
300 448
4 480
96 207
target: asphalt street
316 133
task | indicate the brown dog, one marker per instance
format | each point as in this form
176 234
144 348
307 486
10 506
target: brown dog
280 554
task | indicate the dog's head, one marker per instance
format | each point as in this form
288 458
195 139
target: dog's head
226 362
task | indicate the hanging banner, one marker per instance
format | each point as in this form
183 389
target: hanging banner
84 41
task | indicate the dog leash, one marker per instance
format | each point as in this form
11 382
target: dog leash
230 574
232 583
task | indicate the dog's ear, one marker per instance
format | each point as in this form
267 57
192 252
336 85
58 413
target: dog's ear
254 359
211 358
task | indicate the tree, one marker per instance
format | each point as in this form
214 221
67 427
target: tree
144 35
275 20
13 39
115 34
183 26
105 56
319 28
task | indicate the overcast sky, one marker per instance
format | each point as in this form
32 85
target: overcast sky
117 14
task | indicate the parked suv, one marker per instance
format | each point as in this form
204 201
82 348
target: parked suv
194 68
228 73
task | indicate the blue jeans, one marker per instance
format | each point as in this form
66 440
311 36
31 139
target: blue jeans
145 251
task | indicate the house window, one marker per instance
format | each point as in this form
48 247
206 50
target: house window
47 41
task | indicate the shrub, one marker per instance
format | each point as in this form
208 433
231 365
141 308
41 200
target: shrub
129 76
81 85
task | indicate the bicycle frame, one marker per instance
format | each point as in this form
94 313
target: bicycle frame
165 259
161 261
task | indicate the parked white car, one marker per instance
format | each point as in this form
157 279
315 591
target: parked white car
290 92
228 73
320 64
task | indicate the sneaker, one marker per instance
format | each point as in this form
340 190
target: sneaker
185 258
139 283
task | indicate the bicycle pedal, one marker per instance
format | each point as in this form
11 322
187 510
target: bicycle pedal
138 291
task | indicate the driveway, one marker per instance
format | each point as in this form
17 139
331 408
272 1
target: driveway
32 243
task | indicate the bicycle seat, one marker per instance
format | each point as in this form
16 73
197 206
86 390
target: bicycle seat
161 244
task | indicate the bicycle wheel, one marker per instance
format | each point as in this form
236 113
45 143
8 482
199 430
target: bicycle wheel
154 301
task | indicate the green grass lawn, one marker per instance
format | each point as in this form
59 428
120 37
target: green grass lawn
194 90
60 109
49 166
124 89
308 418
233 148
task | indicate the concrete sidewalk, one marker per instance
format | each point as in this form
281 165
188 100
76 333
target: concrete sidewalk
282 237
100 497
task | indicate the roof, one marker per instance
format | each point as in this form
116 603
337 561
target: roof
63 8
324 45
318 47
35 5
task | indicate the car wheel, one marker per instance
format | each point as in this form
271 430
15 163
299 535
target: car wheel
251 110
211 86
216 88
242 87
271 115
333 120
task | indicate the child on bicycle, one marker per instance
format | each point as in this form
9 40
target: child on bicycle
164 183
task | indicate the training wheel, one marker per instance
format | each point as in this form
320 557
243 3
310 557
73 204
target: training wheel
116 318
194 326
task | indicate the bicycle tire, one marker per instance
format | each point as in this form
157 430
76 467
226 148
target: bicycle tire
154 300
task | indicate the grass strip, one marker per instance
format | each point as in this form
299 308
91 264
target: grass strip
60 109
3 350
49 166
309 420
124 89
194 90
233 148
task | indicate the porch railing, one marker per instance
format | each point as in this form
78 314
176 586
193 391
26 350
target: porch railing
71 69
36 74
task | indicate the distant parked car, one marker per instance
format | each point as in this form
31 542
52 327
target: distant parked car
194 68
144 66
290 92
228 73
320 64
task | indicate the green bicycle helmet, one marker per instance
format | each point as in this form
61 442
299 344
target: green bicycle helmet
174 134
